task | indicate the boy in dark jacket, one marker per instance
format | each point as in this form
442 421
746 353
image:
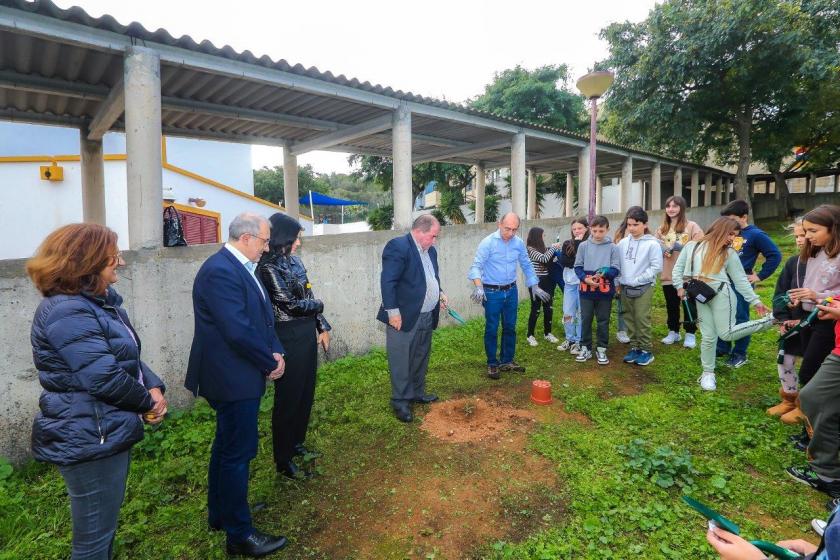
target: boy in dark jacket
596 265
750 244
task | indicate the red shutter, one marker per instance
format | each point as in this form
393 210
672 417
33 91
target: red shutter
199 229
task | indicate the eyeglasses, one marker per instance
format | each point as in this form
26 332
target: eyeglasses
264 241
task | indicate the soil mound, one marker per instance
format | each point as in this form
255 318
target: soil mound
473 419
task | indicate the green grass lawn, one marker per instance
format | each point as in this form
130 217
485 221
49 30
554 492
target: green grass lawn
597 474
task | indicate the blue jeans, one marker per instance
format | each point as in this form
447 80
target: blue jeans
742 315
234 446
500 305
571 310
96 490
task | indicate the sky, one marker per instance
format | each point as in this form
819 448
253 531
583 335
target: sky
436 48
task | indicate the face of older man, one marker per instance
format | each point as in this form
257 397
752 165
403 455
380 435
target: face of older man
252 246
508 227
428 238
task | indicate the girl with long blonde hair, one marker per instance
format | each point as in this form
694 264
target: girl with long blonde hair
714 262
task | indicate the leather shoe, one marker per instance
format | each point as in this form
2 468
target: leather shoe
493 372
301 450
256 545
291 470
403 414
426 399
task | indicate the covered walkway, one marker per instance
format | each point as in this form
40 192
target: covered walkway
64 67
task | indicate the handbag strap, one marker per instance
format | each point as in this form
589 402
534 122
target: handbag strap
691 261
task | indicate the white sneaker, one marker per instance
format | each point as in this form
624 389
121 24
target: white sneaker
818 525
601 354
532 341
622 337
690 340
672 338
583 355
565 346
707 381
551 338
574 349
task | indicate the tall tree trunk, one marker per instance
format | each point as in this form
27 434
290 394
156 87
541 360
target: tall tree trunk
742 188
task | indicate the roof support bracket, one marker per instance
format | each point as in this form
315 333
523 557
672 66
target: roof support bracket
109 111
465 150
344 135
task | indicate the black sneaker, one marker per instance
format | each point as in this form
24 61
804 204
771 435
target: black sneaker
832 504
512 366
493 372
806 475
736 360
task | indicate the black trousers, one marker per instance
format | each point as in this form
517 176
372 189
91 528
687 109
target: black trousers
674 307
295 391
547 284
817 344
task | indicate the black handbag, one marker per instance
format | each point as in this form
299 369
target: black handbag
695 288
173 230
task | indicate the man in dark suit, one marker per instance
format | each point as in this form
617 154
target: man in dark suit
234 351
411 304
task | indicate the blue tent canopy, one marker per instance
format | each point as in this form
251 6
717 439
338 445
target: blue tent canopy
324 200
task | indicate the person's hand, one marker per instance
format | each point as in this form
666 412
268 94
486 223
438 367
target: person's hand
798 294
787 325
681 293
478 295
158 411
753 278
324 340
732 547
667 253
798 546
278 372
539 293
830 311
395 322
444 301
590 281
761 309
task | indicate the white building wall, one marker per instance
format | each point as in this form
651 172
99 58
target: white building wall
227 163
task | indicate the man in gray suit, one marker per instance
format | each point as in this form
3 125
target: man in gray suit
411 304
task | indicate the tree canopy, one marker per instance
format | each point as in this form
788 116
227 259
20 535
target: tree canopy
731 79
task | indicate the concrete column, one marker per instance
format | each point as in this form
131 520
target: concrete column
570 194
144 174
480 183
532 194
729 190
656 187
93 180
401 148
599 194
812 183
291 194
837 183
583 181
678 181
777 190
695 188
719 191
707 195
751 183
517 174
767 186
626 190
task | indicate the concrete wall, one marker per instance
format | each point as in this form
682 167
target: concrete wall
157 288
765 206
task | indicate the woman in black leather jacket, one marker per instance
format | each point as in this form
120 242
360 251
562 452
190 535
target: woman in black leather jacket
301 327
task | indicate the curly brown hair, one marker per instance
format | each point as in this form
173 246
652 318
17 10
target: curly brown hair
71 258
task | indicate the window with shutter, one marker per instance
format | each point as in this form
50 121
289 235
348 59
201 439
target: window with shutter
200 226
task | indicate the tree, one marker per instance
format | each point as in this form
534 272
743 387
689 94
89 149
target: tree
703 77
491 203
381 218
268 183
534 96
380 170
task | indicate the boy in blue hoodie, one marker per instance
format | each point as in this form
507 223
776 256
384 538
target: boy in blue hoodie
597 264
750 244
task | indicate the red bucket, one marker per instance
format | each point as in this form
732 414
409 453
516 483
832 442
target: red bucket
541 391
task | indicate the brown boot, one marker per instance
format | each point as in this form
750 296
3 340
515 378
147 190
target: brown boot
795 416
788 404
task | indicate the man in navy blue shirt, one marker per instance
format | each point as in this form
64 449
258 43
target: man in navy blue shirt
751 243
493 274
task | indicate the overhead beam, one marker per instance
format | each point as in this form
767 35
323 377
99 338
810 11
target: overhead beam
109 111
373 126
465 150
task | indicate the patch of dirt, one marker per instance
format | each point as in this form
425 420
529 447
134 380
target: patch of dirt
614 380
470 482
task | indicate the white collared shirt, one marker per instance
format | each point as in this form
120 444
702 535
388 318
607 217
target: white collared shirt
250 266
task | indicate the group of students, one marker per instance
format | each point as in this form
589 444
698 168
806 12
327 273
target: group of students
595 269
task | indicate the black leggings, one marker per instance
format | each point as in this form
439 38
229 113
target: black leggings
547 284
817 344
674 307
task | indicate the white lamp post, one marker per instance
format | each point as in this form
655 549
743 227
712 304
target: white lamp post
593 86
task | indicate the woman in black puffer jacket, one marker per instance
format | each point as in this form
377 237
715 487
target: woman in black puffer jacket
300 327
97 392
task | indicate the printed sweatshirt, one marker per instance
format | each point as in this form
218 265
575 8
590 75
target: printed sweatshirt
593 256
675 241
641 260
